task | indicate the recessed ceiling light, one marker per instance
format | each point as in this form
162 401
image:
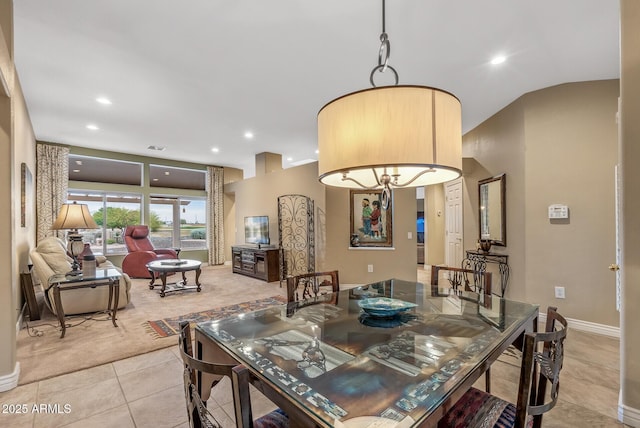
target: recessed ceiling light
158 148
248 135
215 150
498 59
289 159
92 127
155 179
78 162
317 151
76 170
167 173
104 100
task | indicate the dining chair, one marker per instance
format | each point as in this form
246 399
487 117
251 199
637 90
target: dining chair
309 285
198 413
140 251
462 280
542 358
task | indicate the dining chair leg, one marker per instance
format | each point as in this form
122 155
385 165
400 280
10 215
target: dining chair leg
487 380
240 386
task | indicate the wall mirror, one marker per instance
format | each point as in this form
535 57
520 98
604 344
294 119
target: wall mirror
493 211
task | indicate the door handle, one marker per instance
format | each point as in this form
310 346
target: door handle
614 267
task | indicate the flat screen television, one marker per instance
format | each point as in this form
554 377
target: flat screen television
256 230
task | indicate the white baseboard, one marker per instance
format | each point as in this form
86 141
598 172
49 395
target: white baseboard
589 327
628 415
10 381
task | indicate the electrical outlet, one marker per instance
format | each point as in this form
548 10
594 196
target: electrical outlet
560 293
409 235
369 268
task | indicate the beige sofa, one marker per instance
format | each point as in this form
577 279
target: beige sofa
50 257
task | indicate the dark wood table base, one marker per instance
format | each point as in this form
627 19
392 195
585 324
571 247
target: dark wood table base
176 286
112 306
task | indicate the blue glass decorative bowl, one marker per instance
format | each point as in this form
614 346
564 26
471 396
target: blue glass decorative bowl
384 306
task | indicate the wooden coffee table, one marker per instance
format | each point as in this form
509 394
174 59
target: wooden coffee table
164 267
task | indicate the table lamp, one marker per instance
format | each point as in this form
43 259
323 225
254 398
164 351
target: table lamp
73 217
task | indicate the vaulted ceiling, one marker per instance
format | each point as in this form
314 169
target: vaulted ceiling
195 75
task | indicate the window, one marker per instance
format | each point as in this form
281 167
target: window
99 170
176 178
178 222
125 195
113 212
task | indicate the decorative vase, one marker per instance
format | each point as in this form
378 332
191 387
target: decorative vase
86 251
485 245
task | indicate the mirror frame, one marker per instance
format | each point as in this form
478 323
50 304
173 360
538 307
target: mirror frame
502 179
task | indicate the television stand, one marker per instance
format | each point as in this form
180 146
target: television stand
257 262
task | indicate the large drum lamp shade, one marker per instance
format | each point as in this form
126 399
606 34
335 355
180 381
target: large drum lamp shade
409 134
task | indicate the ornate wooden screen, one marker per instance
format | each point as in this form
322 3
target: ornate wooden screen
296 235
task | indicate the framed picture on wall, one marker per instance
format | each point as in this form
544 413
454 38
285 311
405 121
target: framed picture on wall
26 181
370 225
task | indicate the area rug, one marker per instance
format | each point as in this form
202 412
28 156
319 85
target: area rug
170 326
93 342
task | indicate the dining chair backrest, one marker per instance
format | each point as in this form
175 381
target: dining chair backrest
542 358
199 415
312 284
461 279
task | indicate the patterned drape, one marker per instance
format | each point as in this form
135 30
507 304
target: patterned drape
215 225
52 179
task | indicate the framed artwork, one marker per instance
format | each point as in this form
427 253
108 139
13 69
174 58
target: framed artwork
370 225
26 181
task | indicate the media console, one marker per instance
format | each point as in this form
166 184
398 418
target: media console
261 263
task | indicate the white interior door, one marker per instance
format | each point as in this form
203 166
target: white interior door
453 221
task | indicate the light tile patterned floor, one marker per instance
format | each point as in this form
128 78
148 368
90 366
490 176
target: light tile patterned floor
146 391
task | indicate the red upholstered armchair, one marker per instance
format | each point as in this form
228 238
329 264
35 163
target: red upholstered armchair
141 252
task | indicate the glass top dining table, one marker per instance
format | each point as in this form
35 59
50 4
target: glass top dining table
392 353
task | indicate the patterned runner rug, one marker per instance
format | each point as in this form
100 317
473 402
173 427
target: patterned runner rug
169 326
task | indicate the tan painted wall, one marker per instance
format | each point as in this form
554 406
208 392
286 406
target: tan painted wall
399 262
259 196
17 146
630 216
493 148
571 152
434 207
8 267
556 145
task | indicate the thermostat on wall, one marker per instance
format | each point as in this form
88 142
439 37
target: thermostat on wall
558 211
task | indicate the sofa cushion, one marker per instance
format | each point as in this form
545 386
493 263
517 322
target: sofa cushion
54 253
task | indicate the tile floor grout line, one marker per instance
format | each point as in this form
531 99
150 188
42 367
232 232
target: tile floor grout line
123 394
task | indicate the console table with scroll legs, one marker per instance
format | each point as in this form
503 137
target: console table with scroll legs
477 260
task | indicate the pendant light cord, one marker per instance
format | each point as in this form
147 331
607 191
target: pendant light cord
384 52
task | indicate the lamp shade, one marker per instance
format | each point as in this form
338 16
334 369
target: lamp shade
412 133
74 216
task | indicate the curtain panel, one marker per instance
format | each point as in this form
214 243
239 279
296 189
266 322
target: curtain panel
215 209
52 180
